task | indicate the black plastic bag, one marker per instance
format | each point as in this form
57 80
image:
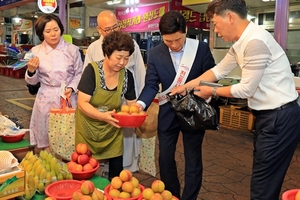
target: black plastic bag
194 113
33 89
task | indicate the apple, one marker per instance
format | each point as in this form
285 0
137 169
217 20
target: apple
89 153
74 156
87 167
81 148
77 168
93 162
77 194
158 186
87 187
133 109
125 175
125 108
83 159
71 164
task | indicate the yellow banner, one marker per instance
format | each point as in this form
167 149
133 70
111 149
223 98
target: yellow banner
194 2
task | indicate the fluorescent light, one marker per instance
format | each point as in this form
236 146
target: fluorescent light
17 19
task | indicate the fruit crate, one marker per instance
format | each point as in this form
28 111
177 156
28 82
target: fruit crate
232 117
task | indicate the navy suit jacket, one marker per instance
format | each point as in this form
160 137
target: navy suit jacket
160 70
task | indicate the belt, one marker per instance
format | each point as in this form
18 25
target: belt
261 112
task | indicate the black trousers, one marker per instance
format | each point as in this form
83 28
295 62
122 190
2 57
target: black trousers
276 138
192 142
115 166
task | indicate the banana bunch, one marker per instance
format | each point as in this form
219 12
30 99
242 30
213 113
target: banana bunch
42 171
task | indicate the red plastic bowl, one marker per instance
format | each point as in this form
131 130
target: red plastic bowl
84 175
12 138
130 121
63 190
106 193
290 194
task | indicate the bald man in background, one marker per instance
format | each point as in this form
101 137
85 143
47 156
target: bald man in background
107 22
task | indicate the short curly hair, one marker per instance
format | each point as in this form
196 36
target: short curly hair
117 41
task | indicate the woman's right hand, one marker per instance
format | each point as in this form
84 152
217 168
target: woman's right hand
33 64
108 118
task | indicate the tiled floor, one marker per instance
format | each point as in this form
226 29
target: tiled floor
226 153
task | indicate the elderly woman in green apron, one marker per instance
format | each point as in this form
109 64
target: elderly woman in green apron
103 87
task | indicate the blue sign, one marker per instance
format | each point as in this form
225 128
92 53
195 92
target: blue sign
8 2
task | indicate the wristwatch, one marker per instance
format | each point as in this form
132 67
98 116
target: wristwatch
214 92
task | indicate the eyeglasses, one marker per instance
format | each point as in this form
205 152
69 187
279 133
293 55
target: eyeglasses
110 29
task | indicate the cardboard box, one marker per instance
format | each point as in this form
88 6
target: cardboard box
12 184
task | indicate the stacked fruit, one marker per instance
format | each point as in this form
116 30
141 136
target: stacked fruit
81 159
124 186
130 110
88 192
41 171
157 191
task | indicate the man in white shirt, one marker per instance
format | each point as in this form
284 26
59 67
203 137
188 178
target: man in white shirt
268 85
107 22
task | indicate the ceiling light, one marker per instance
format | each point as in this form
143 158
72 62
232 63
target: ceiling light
265 0
35 15
113 2
17 19
80 30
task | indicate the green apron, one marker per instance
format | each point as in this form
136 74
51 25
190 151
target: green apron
104 140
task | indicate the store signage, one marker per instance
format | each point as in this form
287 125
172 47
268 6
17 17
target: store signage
193 18
146 19
8 2
75 23
195 2
47 6
93 21
22 25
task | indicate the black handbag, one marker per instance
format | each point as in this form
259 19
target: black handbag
33 89
194 113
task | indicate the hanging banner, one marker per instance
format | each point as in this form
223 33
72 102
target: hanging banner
146 19
47 6
193 19
8 2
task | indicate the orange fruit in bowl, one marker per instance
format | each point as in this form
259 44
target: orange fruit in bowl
125 108
297 197
133 109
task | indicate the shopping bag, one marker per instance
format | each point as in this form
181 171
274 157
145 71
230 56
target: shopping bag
149 127
194 113
61 130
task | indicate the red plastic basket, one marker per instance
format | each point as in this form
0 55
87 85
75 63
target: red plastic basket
12 138
290 194
129 120
63 190
84 175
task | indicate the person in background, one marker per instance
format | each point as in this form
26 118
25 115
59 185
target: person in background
177 60
266 82
55 62
103 87
107 22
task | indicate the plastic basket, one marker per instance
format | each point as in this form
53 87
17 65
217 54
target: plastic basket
84 175
130 120
290 194
63 190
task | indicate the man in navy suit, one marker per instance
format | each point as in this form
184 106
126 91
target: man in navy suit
175 61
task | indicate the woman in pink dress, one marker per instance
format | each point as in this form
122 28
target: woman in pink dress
55 62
